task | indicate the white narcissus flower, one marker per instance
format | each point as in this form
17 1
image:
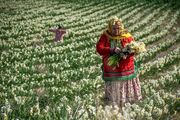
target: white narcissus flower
115 110
126 113
4 116
44 111
133 114
116 107
135 106
142 112
36 109
92 109
3 109
151 103
47 108
127 105
107 109
31 111
100 112
120 117
81 111
166 109
147 115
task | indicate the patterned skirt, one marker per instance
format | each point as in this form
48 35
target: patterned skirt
120 92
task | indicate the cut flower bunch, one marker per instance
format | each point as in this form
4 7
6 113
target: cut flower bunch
133 47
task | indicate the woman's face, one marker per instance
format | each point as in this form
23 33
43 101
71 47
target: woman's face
115 30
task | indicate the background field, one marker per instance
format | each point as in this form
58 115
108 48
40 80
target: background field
41 79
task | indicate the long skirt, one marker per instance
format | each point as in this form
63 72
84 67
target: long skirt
120 92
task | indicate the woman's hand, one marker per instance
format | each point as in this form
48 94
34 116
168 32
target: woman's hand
125 56
117 50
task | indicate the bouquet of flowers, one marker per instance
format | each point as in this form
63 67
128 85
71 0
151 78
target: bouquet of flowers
137 47
133 47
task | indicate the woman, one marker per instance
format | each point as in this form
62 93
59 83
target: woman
121 83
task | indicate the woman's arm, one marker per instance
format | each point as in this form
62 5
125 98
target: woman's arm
101 48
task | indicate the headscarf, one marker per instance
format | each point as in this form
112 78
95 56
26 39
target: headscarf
113 21
116 21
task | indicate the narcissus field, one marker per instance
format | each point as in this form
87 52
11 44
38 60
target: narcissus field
47 80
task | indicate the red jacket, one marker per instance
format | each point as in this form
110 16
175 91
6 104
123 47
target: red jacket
126 69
